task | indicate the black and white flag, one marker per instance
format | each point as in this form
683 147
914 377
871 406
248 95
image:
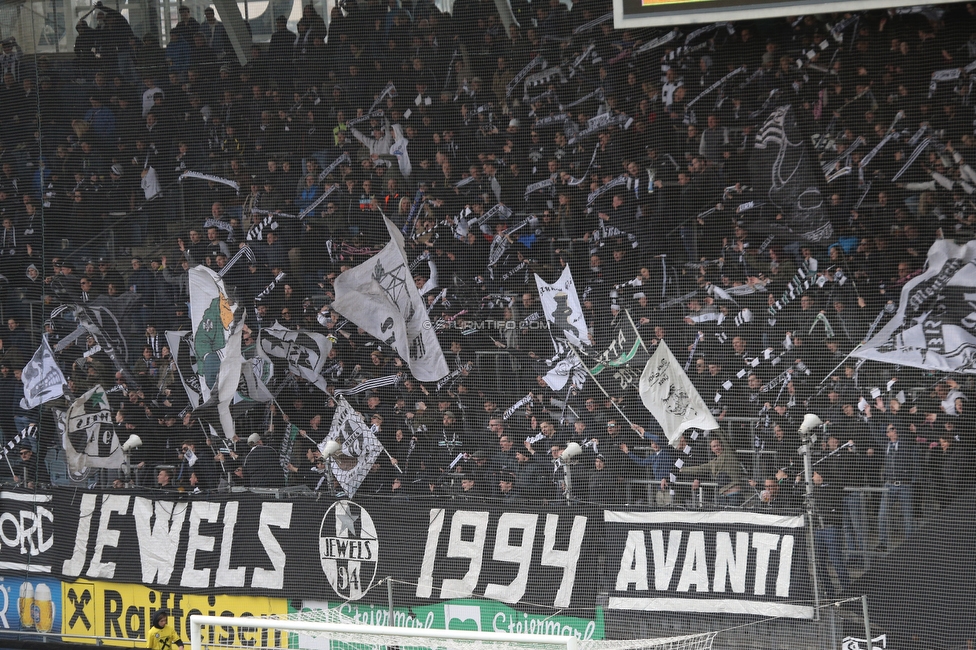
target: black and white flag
360 447
303 352
935 325
181 348
563 310
103 323
672 399
43 379
380 296
783 167
88 434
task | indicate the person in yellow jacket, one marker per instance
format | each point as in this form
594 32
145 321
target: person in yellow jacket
162 635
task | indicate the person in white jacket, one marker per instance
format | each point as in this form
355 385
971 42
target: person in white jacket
381 141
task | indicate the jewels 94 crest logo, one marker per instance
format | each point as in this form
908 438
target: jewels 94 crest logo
349 549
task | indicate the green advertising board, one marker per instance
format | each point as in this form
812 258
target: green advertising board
468 614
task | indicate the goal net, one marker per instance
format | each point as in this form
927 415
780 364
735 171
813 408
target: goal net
331 631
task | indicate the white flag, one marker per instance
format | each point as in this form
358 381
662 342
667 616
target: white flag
566 367
563 310
43 379
935 325
671 397
88 434
217 323
360 447
380 296
304 352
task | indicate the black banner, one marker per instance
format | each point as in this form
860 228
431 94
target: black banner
306 548
544 558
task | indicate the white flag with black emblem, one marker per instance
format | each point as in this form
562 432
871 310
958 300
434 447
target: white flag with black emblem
563 310
672 399
360 447
935 325
304 352
43 379
88 434
380 296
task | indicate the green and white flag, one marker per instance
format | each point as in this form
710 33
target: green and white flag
217 322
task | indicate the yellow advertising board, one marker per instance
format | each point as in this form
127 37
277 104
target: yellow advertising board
121 615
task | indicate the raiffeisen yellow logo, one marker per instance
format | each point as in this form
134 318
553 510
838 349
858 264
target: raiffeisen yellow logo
124 612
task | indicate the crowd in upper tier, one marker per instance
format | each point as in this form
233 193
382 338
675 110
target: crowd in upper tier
432 119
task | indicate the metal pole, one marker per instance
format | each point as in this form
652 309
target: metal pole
389 596
867 621
812 554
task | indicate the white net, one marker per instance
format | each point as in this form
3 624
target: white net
368 637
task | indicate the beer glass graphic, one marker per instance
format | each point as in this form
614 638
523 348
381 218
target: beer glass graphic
42 612
25 603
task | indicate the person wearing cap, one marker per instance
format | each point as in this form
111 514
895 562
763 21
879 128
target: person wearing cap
603 485
261 466
450 437
162 635
29 471
470 488
100 119
508 489
149 94
828 534
660 460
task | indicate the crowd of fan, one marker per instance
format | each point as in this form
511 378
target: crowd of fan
110 134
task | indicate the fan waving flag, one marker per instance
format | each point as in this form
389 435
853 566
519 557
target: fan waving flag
380 296
43 379
935 325
360 447
303 352
563 310
672 399
88 434
217 323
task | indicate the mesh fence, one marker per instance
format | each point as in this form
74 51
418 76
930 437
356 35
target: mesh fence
489 315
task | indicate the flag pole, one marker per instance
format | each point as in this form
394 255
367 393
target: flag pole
372 430
598 385
843 361
7 458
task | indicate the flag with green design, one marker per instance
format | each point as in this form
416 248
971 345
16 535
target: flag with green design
217 323
622 359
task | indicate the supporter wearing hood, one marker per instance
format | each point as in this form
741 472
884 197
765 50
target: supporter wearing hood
162 635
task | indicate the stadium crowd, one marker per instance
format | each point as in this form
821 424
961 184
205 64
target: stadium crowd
436 129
